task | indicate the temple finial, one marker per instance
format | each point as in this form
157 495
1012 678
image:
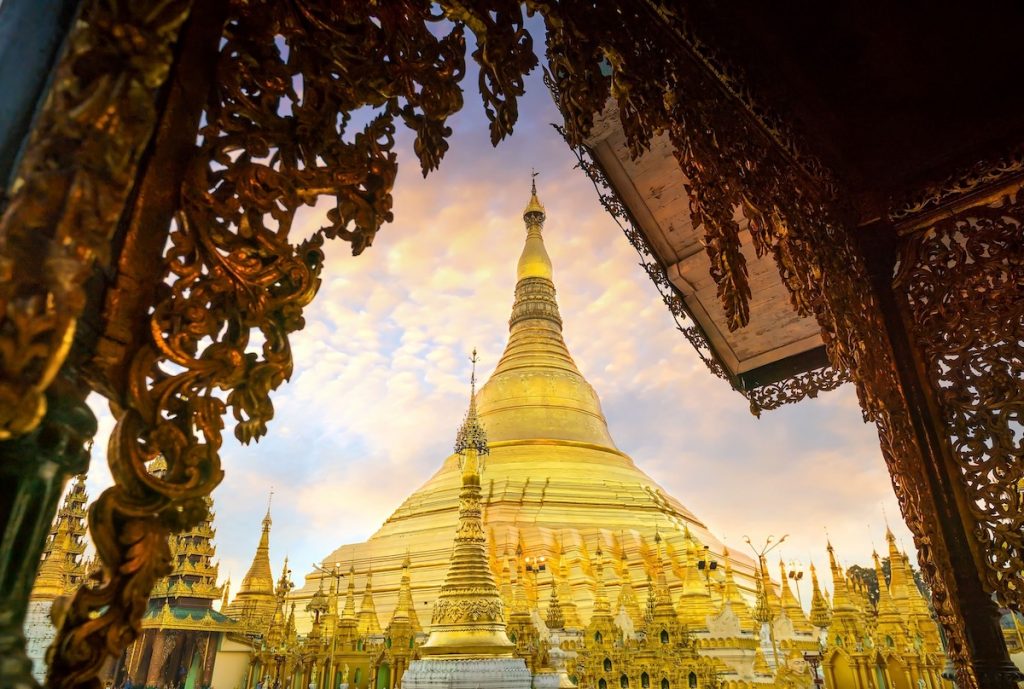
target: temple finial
533 214
471 434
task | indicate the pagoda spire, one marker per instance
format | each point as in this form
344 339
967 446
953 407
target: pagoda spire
406 609
369 623
695 605
193 571
349 611
821 614
226 594
565 597
602 607
732 597
841 597
789 605
536 366
662 608
468 618
534 262
471 435
256 601
627 600
885 602
555 619
62 568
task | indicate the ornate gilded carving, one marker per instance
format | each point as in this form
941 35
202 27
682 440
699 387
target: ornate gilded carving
71 186
736 160
960 184
467 608
795 388
963 281
277 137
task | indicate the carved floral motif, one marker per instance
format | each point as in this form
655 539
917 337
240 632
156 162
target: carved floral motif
963 281
70 188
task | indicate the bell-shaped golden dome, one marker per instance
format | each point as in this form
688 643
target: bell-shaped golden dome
536 392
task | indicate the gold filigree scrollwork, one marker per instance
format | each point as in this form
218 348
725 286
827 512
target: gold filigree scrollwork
277 137
70 187
793 389
963 183
963 281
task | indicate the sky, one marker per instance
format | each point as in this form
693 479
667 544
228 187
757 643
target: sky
381 373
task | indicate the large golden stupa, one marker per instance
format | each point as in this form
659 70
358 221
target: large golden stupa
554 486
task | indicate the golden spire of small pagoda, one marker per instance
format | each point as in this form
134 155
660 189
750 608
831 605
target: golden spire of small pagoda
695 604
663 610
789 605
602 607
555 619
62 568
349 611
369 623
468 618
565 598
226 594
885 602
821 614
841 596
406 608
732 597
256 601
627 600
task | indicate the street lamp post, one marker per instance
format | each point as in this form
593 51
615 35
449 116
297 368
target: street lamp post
336 574
796 573
534 566
763 613
814 660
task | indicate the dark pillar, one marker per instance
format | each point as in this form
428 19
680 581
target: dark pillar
31 35
943 498
209 657
34 469
156 660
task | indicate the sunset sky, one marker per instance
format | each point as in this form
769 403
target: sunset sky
381 373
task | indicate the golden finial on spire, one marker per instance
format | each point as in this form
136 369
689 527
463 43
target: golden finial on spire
534 208
471 434
270 499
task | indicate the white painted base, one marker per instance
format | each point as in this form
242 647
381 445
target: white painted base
39 634
483 673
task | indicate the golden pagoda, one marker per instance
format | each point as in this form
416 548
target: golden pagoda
468 618
551 469
255 603
550 463
62 568
469 645
61 571
181 631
